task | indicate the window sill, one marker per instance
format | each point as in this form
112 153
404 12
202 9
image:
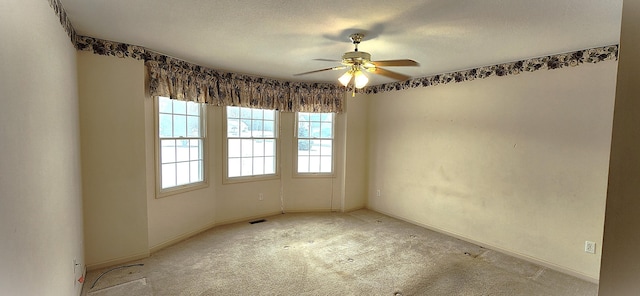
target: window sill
314 175
246 179
160 193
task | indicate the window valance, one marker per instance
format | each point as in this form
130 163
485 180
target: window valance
189 82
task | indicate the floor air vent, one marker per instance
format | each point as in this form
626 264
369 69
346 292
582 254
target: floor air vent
257 221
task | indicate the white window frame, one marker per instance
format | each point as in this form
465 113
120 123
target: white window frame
162 192
312 137
275 137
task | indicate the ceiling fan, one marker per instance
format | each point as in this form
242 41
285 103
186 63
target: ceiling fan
356 62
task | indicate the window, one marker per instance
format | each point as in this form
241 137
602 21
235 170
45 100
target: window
315 143
251 142
180 144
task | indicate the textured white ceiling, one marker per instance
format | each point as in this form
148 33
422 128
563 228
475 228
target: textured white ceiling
278 38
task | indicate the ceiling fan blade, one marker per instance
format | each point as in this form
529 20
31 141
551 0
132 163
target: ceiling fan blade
325 69
327 60
405 62
390 74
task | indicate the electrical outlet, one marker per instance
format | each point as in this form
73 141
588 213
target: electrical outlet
260 196
590 247
378 193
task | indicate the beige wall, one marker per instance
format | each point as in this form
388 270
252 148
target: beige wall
112 133
40 192
124 219
301 194
620 260
356 152
515 163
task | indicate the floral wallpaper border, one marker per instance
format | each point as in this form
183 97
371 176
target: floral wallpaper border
557 61
186 81
182 80
64 20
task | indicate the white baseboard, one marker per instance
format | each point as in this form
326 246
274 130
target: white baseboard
117 261
320 210
354 209
533 260
185 236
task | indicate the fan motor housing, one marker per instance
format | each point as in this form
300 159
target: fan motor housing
355 58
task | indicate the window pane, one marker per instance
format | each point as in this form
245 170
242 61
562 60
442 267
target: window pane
196 170
245 113
269 165
246 148
325 164
179 126
247 167
314 163
258 148
258 166
269 128
233 112
245 128
270 147
193 108
182 173
233 128
165 125
167 151
233 150
256 128
303 147
314 130
234 167
193 126
257 114
326 147
303 164
168 173
269 114
182 150
315 147
303 129
164 105
195 150
179 107
326 130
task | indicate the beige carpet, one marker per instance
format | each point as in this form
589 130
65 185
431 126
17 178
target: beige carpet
357 253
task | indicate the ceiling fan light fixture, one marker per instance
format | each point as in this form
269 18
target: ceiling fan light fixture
346 78
361 80
356 62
